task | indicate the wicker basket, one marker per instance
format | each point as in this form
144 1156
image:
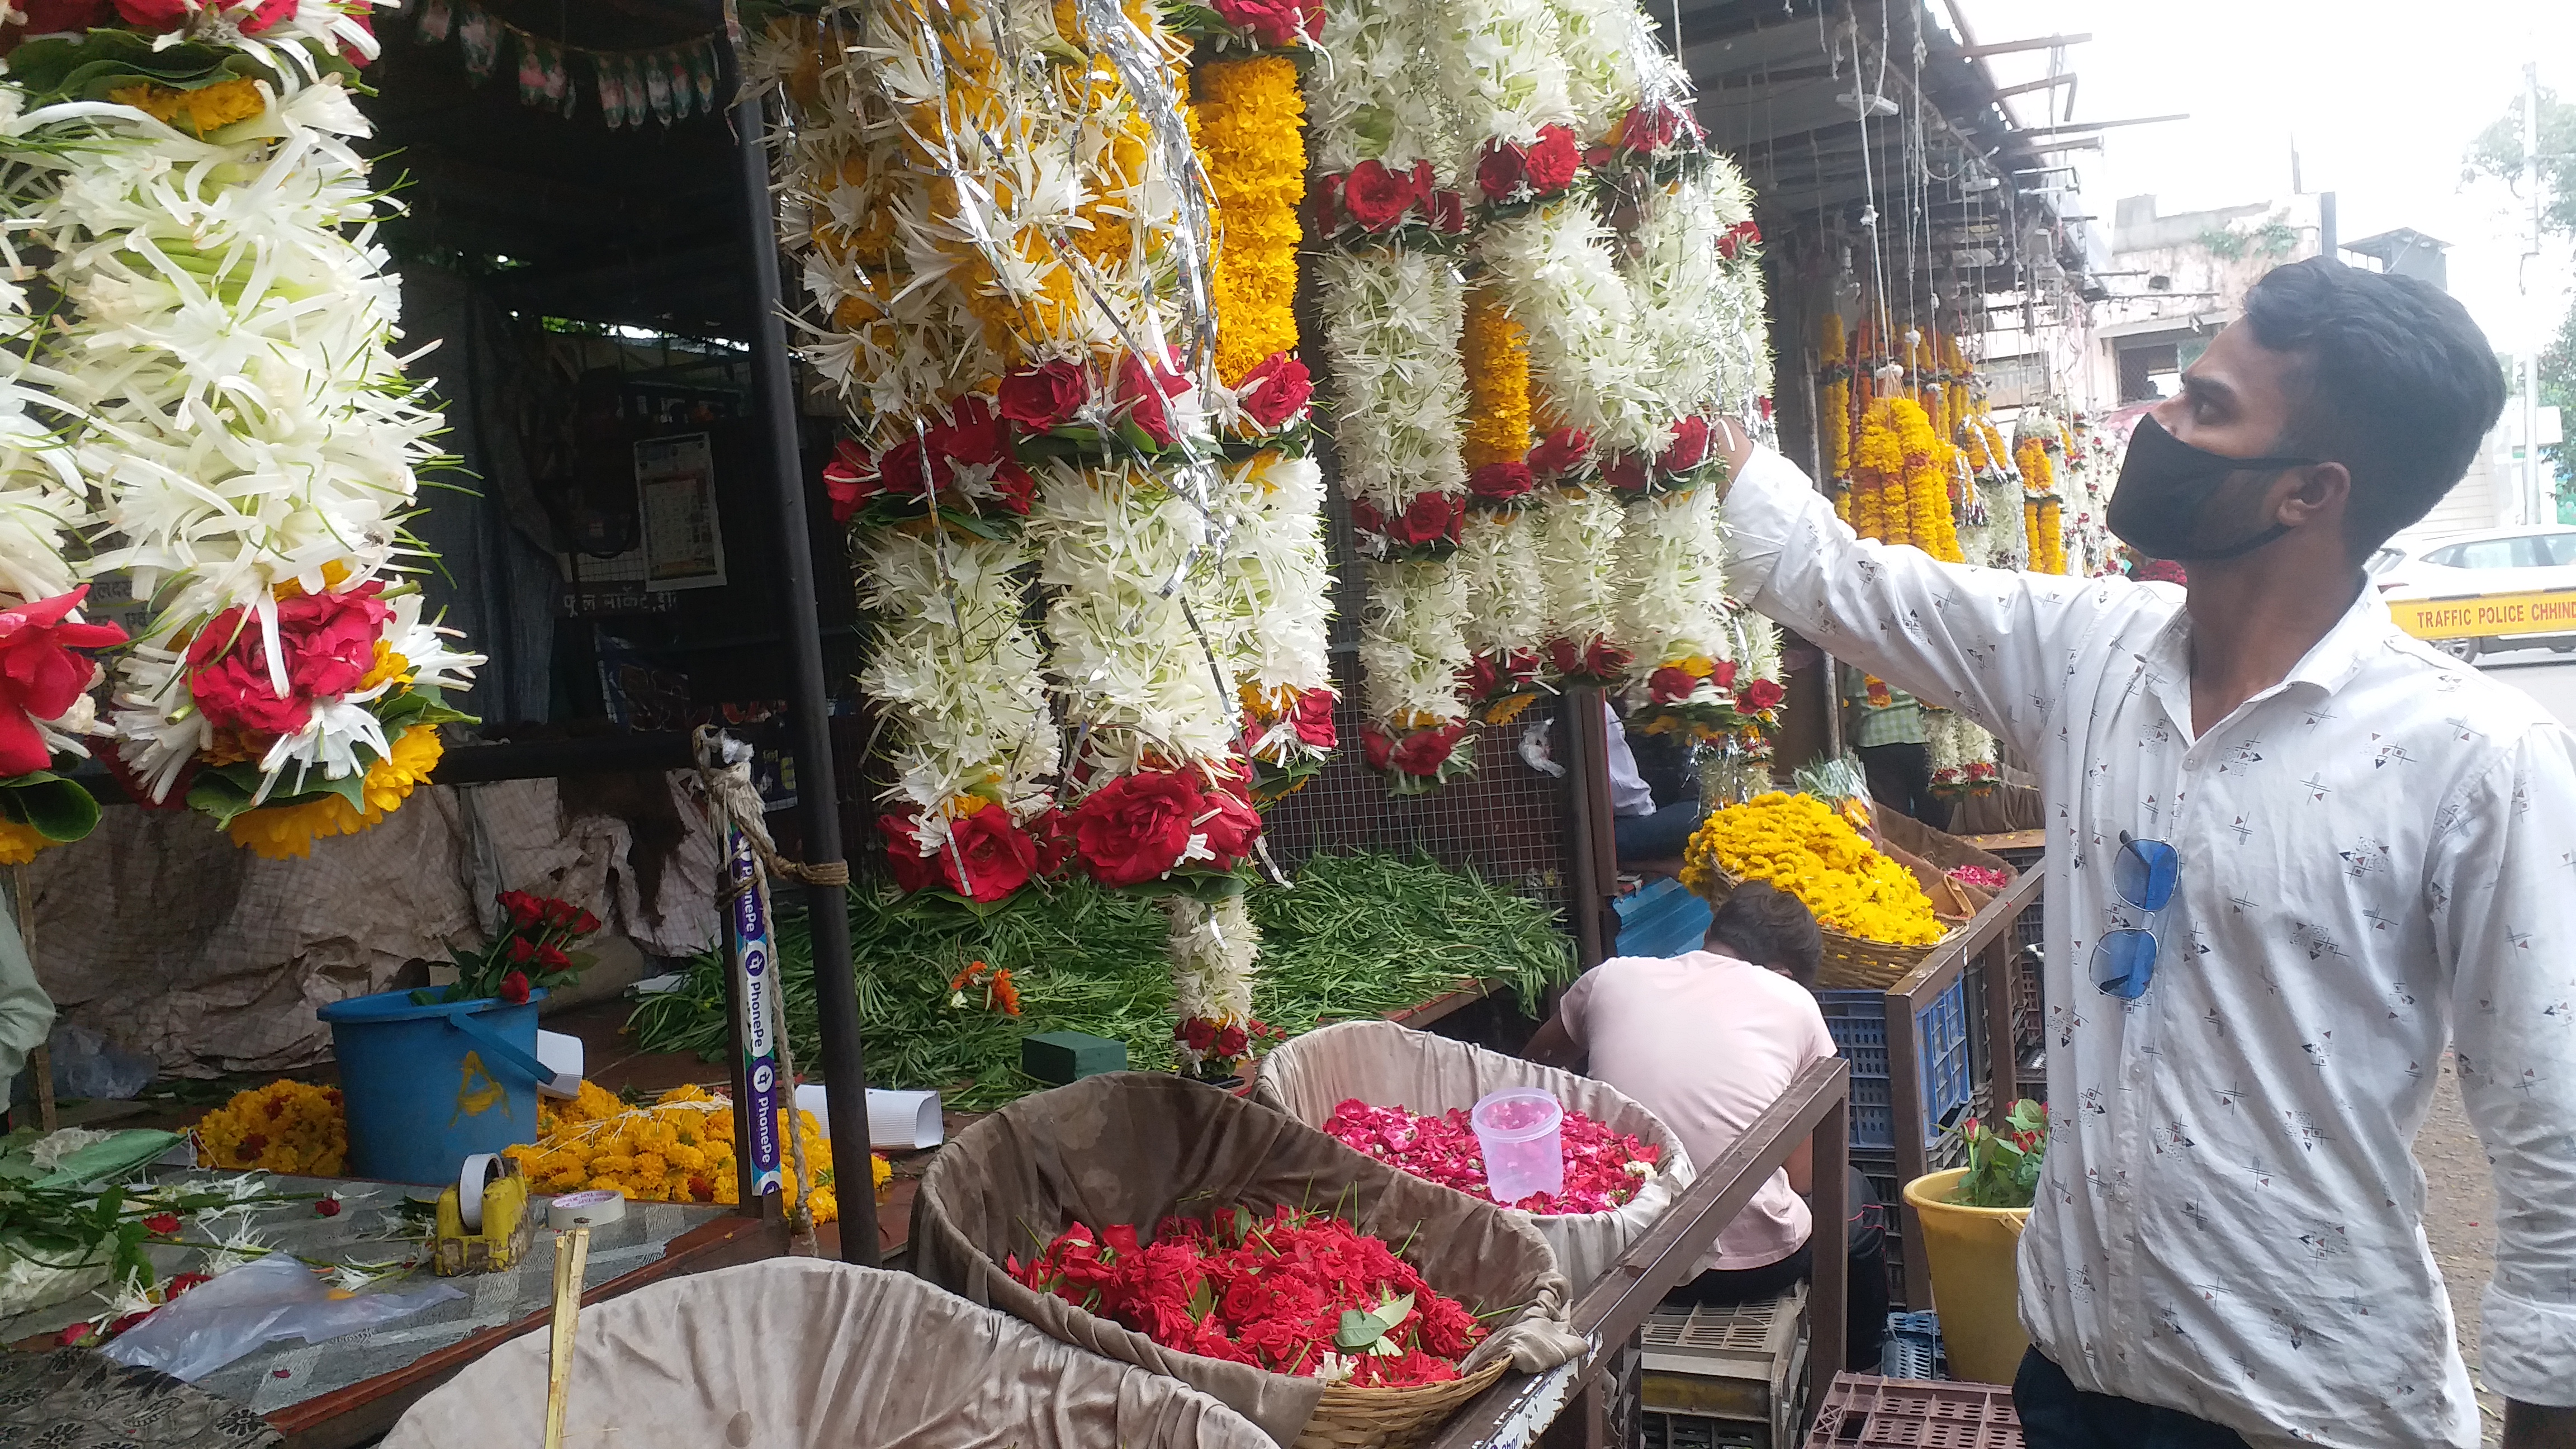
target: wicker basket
1852 964
1350 1418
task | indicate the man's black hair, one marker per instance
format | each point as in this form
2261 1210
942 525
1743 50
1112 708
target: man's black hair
2399 385
1769 927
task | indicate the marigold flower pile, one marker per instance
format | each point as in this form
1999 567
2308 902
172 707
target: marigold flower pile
1270 1293
1603 1168
293 1128
679 1149
1798 843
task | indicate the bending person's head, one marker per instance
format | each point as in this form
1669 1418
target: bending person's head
1769 927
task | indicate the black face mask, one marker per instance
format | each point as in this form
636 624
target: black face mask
2166 484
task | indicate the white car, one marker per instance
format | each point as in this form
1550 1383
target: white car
2527 560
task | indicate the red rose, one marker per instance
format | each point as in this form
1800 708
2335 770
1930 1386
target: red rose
584 924
1560 452
183 1282
1552 160
900 471
1275 23
522 951
999 856
1140 393
1668 685
1423 752
1230 1043
514 988
1275 391
1626 472
1377 198
1432 517
1689 447
1051 833
1135 828
74 1335
1327 188
1447 211
851 478
1650 128
328 642
40 676
560 913
1605 660
154 14
1044 397
972 436
552 958
1311 19
1501 170
1759 695
1376 748
1479 678
1314 716
1366 517
162 1224
329 1207
1739 236
1724 675
1230 825
269 13
1501 482
1198 1032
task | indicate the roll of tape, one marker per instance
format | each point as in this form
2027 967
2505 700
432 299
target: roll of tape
585 1209
480 1169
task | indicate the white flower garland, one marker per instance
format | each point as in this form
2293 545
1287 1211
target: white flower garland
1557 276
1391 325
1672 553
1213 948
1507 589
1503 66
1578 552
952 660
228 333
1411 644
1273 597
1602 42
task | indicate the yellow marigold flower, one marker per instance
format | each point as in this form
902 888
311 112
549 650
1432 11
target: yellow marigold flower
1495 352
19 843
195 111
1249 126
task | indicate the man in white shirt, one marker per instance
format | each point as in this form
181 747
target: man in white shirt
2292 854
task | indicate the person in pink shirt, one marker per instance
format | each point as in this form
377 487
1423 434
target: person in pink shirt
1706 1040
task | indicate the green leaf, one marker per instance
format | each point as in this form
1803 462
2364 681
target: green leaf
226 791
1358 1329
424 705
50 805
1202 1300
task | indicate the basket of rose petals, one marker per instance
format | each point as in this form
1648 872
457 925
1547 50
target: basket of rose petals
1331 1299
1403 1096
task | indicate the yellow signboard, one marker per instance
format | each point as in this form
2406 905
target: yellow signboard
2484 616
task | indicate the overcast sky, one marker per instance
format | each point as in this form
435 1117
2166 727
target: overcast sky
2383 97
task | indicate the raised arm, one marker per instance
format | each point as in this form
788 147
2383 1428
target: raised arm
2504 917
1989 643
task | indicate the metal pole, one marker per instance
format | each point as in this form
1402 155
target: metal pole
836 997
2537 506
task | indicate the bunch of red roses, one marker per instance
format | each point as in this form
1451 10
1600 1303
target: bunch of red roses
1711 704
537 952
41 677
1427 528
1603 1168
1129 831
1377 200
1219 1045
1491 678
1510 174
1298 1293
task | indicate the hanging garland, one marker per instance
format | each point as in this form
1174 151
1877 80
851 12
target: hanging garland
1498 544
2040 508
1833 409
665 83
1388 203
252 443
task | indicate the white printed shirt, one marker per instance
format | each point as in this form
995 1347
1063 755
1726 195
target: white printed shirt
2378 857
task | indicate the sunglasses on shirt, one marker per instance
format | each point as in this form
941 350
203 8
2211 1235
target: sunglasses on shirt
2145 873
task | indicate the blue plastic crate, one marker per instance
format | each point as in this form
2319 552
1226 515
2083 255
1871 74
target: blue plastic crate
1660 918
1858 1022
1912 1348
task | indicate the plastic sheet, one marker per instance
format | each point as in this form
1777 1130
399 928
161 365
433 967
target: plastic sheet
1386 1065
789 1352
211 1325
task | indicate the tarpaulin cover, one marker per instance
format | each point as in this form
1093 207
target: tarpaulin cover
791 1352
1136 1147
1386 1065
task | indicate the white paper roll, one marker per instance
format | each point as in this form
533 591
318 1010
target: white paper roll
902 1121
479 1169
585 1209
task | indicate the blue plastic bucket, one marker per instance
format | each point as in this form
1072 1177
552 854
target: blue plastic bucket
426 1087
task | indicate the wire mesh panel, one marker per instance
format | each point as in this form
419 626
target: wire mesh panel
1507 822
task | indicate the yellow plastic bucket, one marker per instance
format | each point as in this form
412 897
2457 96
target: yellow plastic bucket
1975 1287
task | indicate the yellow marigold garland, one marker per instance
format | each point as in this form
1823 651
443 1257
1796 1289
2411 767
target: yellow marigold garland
2041 519
1801 845
1927 463
679 1149
1833 400
287 1127
1251 124
1495 350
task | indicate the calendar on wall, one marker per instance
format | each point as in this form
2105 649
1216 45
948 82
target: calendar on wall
675 487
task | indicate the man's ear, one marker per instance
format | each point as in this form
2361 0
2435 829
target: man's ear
2307 494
